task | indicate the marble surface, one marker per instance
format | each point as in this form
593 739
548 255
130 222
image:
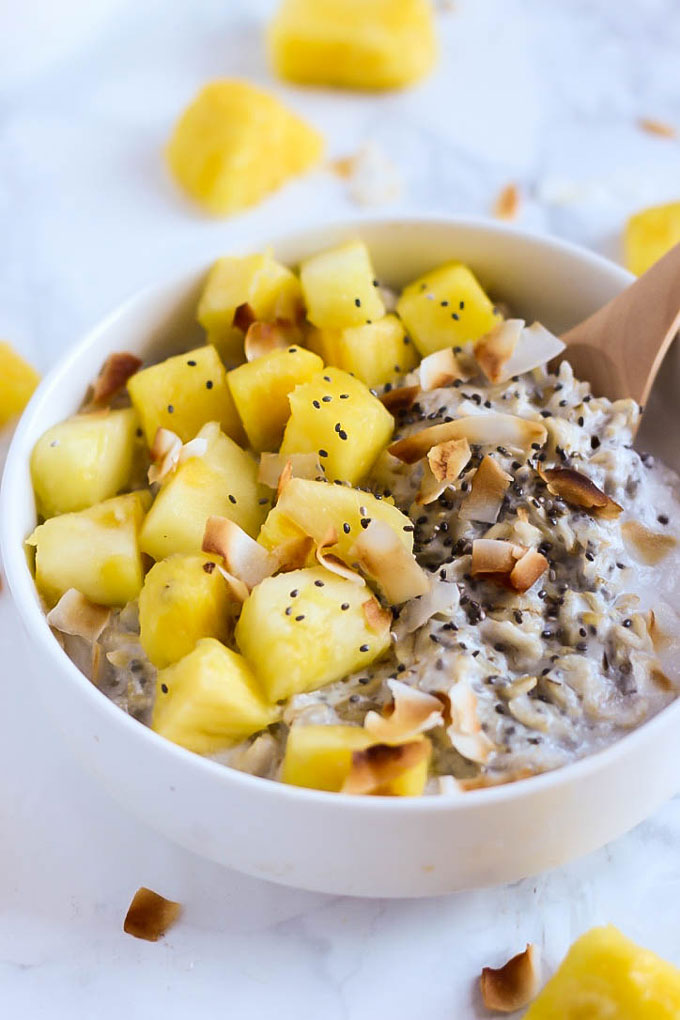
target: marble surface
543 94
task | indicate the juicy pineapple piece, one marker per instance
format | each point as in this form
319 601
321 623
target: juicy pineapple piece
650 234
183 393
83 460
363 44
374 352
444 308
339 287
348 431
260 390
223 482
605 976
18 380
236 143
95 551
183 599
209 700
271 290
297 636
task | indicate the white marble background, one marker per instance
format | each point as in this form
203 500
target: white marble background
539 92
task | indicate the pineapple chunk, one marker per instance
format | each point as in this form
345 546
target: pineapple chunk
650 234
271 290
18 380
380 44
339 288
183 393
260 390
83 460
348 432
446 308
236 143
605 976
183 599
316 641
374 352
95 551
222 483
209 700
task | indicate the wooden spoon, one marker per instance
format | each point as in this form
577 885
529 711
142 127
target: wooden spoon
619 349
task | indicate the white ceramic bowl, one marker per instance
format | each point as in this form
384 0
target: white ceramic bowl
328 842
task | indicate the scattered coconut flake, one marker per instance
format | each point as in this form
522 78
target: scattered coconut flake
244 558
293 553
334 563
413 712
76 615
264 337
576 488
527 570
485 498
302 465
114 374
465 731
482 429
506 205
512 986
494 556
378 765
443 597
536 346
445 461
380 553
150 915
439 369
244 317
657 127
377 619
648 546
165 452
239 589
401 399
496 348
373 179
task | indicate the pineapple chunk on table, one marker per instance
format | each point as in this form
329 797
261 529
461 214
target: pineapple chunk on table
18 380
337 417
95 551
446 307
235 143
183 599
304 629
209 700
650 234
84 460
363 44
260 391
339 287
605 976
184 392
374 352
222 483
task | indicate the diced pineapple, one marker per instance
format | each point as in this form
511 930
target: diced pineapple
183 599
95 551
379 44
18 380
271 290
650 234
260 390
446 307
339 287
221 483
337 417
605 976
209 700
184 392
83 460
374 352
236 143
306 628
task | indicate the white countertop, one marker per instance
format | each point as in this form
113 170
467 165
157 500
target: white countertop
543 94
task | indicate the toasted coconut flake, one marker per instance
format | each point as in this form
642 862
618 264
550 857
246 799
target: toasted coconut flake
445 461
657 127
506 205
577 489
243 557
401 399
239 589
76 615
334 563
114 374
465 731
496 348
150 915
440 369
443 597
377 618
381 554
536 346
648 546
495 556
484 500
378 765
527 570
413 712
274 465
294 552
244 317
481 429
165 452
512 986
264 337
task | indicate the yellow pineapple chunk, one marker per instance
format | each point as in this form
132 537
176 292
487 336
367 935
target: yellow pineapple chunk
339 287
347 431
304 629
605 976
183 599
83 460
184 392
362 44
374 352
650 234
446 308
18 380
260 390
95 551
221 483
236 143
209 700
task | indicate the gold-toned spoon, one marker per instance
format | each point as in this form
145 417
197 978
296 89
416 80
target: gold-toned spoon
619 349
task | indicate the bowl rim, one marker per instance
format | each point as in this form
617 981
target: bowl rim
21 584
